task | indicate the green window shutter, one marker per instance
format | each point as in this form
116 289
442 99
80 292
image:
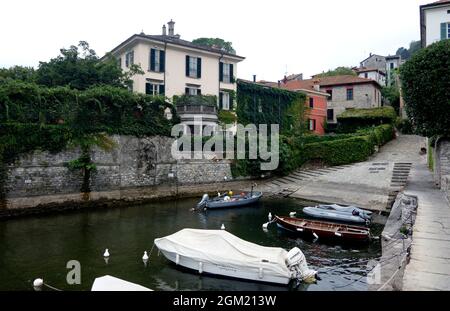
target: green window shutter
186 90
199 92
187 65
443 31
152 59
231 72
220 100
162 61
220 71
162 89
199 67
149 88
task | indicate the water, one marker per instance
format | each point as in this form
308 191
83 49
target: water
41 246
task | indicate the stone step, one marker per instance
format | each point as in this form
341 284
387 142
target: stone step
283 181
291 179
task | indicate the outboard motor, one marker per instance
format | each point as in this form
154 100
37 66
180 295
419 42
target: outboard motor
203 201
296 262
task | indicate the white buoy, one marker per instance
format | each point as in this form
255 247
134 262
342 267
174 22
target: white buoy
269 216
292 214
145 257
337 234
265 225
315 235
106 253
38 283
222 227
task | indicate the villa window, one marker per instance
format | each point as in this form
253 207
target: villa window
193 67
311 102
154 89
129 59
330 92
349 94
225 72
157 60
224 100
366 75
192 91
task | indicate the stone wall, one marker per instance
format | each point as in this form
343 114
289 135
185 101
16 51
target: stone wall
137 165
442 162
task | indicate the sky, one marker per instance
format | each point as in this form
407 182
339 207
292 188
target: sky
276 37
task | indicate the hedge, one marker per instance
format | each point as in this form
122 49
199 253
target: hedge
353 119
332 150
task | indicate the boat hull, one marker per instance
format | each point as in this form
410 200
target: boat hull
235 272
323 229
333 215
212 204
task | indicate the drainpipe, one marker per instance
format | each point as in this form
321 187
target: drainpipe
218 94
165 66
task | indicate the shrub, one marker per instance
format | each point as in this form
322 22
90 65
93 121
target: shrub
404 126
353 119
425 84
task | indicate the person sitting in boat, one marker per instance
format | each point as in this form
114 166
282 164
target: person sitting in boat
226 198
230 193
355 212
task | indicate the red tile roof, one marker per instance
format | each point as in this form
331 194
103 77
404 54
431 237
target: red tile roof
327 81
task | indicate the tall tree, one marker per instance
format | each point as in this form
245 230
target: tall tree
26 74
79 67
337 72
406 54
216 43
425 84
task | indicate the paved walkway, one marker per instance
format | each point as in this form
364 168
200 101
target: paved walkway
372 184
429 266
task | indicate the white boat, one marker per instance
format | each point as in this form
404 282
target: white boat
221 253
110 283
339 213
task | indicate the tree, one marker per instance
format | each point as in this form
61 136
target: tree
26 74
216 43
425 84
80 68
406 54
392 95
337 72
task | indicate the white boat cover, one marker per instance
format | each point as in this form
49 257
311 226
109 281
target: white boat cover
222 248
110 283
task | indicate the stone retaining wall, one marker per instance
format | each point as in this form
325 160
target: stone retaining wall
135 165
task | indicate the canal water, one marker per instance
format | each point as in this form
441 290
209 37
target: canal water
41 246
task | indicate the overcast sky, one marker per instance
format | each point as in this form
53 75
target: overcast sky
303 36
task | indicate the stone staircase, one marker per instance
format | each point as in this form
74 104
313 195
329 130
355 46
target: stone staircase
398 181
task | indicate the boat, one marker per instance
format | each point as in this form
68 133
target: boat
321 229
225 200
339 213
110 283
218 252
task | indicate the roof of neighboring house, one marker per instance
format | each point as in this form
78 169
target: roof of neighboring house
364 69
174 40
328 81
371 55
268 83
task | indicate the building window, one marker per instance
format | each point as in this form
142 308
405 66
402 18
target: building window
226 72
157 60
366 75
193 67
330 92
311 102
193 91
448 30
330 114
349 94
129 59
154 89
392 66
312 124
224 101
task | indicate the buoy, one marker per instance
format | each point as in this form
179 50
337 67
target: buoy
222 227
38 283
106 253
145 257
315 235
265 225
292 214
270 216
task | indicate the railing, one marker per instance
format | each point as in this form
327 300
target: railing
201 109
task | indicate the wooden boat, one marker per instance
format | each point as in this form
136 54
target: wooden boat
322 229
226 201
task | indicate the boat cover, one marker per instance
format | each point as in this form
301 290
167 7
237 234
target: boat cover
110 283
222 248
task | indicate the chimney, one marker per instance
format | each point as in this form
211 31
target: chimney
164 30
316 86
171 28
254 78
